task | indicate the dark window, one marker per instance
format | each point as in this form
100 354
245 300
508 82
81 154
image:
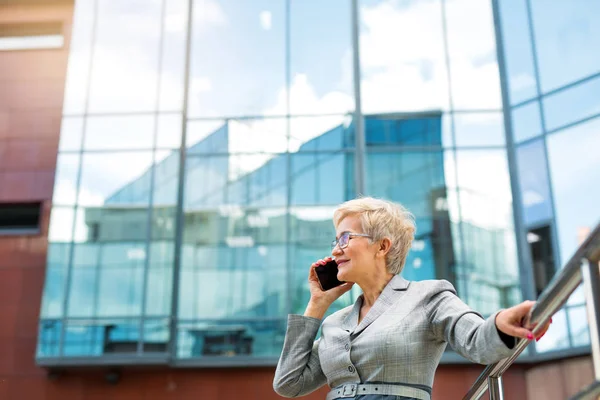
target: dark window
542 255
19 219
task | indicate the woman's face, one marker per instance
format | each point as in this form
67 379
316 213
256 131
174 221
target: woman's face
357 260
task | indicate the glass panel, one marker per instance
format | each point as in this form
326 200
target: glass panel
488 260
166 179
100 337
115 179
472 53
54 286
71 131
479 129
568 45
527 121
156 336
329 133
578 325
61 224
173 55
169 131
160 277
241 250
418 181
80 51
398 73
120 279
111 224
246 180
253 287
82 293
557 336
319 179
245 33
48 338
126 56
65 180
573 170
533 179
119 132
572 104
320 57
401 130
231 338
238 136
518 53
207 137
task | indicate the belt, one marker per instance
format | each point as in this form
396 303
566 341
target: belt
356 389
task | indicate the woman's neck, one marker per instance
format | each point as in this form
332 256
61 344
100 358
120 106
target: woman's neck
373 286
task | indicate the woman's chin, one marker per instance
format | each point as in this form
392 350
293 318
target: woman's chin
343 277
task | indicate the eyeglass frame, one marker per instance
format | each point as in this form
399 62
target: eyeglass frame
336 242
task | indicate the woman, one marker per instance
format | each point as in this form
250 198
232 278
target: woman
389 343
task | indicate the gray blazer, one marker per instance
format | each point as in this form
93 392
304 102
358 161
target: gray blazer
399 341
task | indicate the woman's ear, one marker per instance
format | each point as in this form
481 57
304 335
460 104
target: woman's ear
385 245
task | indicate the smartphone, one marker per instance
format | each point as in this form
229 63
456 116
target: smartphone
327 275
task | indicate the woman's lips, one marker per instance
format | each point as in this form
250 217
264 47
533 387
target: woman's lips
341 262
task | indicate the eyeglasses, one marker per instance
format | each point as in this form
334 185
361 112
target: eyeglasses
345 238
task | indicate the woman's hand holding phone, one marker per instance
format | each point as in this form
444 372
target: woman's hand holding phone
321 300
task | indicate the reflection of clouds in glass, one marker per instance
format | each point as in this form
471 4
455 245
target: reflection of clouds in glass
102 174
208 13
568 40
400 73
484 188
265 20
125 64
574 167
304 99
201 84
521 81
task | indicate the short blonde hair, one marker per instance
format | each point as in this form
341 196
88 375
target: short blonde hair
382 219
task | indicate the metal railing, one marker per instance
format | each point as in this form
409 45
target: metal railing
583 266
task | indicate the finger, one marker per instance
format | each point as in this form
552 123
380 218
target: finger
524 307
518 332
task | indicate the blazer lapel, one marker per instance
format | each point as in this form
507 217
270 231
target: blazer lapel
349 323
395 289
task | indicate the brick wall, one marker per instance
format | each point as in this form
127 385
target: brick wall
31 95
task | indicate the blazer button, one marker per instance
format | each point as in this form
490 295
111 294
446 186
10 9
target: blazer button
347 347
351 369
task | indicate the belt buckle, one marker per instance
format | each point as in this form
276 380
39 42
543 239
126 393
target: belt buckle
349 390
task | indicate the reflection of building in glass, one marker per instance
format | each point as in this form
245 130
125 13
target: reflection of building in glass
234 249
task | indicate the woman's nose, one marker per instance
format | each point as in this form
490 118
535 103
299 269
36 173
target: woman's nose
336 250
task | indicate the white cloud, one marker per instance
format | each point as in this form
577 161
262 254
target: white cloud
201 84
265 20
403 57
208 13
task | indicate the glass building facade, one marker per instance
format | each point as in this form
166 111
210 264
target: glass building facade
206 143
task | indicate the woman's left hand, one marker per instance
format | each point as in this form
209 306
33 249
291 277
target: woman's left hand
510 320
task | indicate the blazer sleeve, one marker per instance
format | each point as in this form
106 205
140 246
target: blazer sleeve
299 369
467 332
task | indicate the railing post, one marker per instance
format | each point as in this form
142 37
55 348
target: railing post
495 388
590 272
